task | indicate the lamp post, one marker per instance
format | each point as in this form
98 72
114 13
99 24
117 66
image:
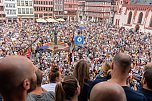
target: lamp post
65 12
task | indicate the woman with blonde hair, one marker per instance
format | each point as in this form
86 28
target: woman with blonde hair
81 72
67 90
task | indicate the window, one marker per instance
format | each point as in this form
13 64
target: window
7 5
18 3
11 11
30 3
40 15
36 15
22 3
14 11
13 5
150 22
19 10
129 18
23 10
7 11
120 10
26 3
140 18
45 14
31 11
10 5
50 14
27 10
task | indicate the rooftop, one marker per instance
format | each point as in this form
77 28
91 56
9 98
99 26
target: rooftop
98 0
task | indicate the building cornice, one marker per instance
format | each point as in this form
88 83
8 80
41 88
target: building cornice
137 6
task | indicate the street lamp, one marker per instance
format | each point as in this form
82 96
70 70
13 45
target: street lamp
66 12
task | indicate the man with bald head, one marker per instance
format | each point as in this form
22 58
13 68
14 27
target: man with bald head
121 67
106 91
17 78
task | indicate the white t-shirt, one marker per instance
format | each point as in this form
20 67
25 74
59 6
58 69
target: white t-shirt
49 87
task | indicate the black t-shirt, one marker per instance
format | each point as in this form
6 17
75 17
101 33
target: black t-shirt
85 91
133 95
147 93
0 98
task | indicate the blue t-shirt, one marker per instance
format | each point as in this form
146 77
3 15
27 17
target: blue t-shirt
146 93
133 95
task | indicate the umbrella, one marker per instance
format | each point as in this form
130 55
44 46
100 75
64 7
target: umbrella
81 28
60 19
51 20
43 47
40 20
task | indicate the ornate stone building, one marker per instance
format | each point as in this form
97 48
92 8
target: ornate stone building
71 9
133 14
98 10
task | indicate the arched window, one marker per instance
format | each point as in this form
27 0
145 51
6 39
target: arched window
140 18
150 25
129 18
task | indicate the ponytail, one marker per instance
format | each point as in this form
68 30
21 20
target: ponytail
59 93
66 89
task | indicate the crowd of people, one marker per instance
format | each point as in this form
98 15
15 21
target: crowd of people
110 58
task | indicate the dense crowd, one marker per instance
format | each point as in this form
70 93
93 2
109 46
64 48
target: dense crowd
105 48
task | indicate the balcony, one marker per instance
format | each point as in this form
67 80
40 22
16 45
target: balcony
41 12
72 3
98 11
39 5
70 9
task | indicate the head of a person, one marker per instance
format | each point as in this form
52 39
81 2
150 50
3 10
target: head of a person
147 79
121 65
55 74
68 89
148 66
81 72
106 68
107 91
17 76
